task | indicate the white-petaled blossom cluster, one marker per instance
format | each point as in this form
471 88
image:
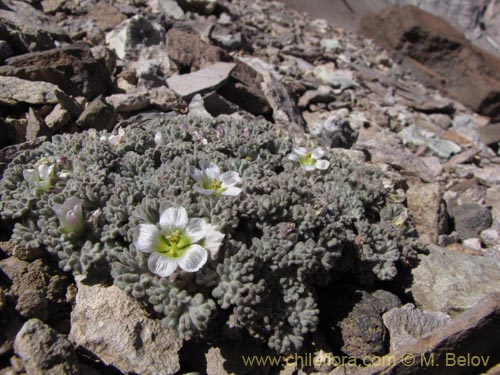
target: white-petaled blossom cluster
177 241
309 160
210 180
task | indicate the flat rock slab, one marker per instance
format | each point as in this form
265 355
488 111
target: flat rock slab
15 90
203 80
113 326
73 69
452 282
406 324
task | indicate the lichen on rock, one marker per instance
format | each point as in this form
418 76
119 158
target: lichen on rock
288 232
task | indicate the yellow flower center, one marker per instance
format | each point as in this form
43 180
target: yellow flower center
173 245
307 159
214 184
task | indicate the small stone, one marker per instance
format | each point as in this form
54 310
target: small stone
470 219
428 209
473 243
490 237
187 48
106 16
324 94
206 79
36 127
32 304
164 99
129 102
98 115
169 8
56 119
407 324
489 175
43 351
131 33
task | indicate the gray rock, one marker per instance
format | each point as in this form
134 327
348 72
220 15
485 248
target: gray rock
452 282
5 50
428 209
339 79
490 237
324 94
32 304
203 80
164 99
464 125
441 147
43 351
169 8
27 29
56 119
98 115
36 127
14 90
406 324
205 7
126 338
336 131
129 102
488 175
127 36
472 243
470 219
384 148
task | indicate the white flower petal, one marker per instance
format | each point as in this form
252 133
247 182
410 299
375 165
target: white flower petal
213 241
162 265
196 229
173 218
230 178
193 259
145 237
196 174
309 167
301 151
200 190
31 176
231 191
322 164
318 153
293 157
212 171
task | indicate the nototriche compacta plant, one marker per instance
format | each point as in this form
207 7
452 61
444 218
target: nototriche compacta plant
219 225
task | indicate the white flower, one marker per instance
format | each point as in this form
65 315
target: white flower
209 180
309 160
178 242
159 140
114 139
70 215
42 176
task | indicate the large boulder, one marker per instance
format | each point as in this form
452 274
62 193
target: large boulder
439 55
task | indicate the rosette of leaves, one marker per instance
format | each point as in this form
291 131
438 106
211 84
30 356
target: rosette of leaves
288 233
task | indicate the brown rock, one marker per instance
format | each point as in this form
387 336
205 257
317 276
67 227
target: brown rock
73 69
187 48
440 55
244 89
98 115
106 16
428 209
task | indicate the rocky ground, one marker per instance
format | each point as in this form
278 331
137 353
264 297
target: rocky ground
69 66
